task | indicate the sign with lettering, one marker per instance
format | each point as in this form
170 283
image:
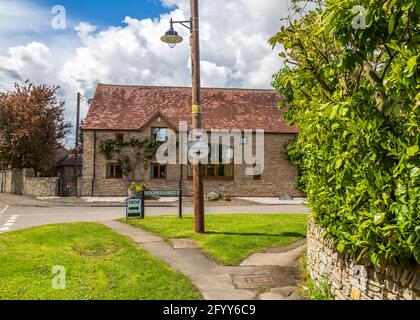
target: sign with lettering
167 193
133 208
136 207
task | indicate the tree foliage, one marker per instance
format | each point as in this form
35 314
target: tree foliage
31 126
353 91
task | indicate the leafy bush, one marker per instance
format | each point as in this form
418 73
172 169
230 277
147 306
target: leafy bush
354 94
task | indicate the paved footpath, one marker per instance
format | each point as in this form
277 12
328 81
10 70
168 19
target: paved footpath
266 276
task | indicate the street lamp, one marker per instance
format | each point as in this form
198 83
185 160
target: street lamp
172 38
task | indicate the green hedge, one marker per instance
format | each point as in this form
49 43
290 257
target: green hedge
354 94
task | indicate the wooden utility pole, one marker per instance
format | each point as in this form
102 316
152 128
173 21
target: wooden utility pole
196 116
76 165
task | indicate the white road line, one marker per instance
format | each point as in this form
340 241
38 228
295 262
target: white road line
69 214
9 223
4 210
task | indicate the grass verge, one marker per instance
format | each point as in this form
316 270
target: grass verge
231 238
99 264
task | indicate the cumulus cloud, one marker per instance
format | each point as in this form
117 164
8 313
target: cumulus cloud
234 50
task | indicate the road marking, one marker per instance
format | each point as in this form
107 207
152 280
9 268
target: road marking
68 214
4 210
9 223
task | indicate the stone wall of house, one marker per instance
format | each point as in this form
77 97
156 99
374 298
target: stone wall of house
24 182
357 281
278 178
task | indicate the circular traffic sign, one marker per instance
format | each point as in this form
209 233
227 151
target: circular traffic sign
199 151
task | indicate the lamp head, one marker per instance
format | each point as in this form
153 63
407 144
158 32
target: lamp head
171 37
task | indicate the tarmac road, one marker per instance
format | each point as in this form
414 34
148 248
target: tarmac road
16 218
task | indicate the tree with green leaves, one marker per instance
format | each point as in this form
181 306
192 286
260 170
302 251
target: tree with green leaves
352 80
31 127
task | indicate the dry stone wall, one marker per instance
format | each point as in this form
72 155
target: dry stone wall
24 182
357 281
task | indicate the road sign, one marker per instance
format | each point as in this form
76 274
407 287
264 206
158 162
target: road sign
163 193
134 208
198 151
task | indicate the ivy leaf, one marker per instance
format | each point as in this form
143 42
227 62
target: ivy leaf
415 172
412 151
338 163
374 257
391 24
341 247
411 63
379 218
393 46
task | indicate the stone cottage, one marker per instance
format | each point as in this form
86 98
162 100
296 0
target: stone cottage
127 113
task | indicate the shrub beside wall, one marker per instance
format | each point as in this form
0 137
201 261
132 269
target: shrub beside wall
351 280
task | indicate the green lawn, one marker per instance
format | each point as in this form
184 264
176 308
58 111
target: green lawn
231 238
100 264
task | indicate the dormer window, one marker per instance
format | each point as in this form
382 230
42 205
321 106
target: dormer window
160 134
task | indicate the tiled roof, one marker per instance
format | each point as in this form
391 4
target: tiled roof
124 107
69 160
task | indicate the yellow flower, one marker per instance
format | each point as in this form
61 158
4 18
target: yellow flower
137 187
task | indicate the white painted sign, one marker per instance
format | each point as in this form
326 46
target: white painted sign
133 207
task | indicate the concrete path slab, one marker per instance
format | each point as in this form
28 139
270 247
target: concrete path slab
211 279
215 282
284 293
183 244
281 259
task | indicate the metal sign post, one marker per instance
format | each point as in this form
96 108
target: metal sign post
161 193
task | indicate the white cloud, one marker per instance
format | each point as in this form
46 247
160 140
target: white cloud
234 49
14 16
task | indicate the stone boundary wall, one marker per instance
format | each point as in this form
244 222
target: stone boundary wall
349 280
40 187
24 182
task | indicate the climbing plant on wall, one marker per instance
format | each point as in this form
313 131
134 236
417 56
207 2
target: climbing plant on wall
130 154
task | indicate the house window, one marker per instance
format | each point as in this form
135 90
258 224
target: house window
158 171
218 171
119 137
215 171
257 173
160 134
114 171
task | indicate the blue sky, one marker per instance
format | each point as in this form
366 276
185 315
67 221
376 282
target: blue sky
107 12
96 46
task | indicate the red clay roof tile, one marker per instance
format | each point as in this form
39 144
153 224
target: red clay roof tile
124 107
